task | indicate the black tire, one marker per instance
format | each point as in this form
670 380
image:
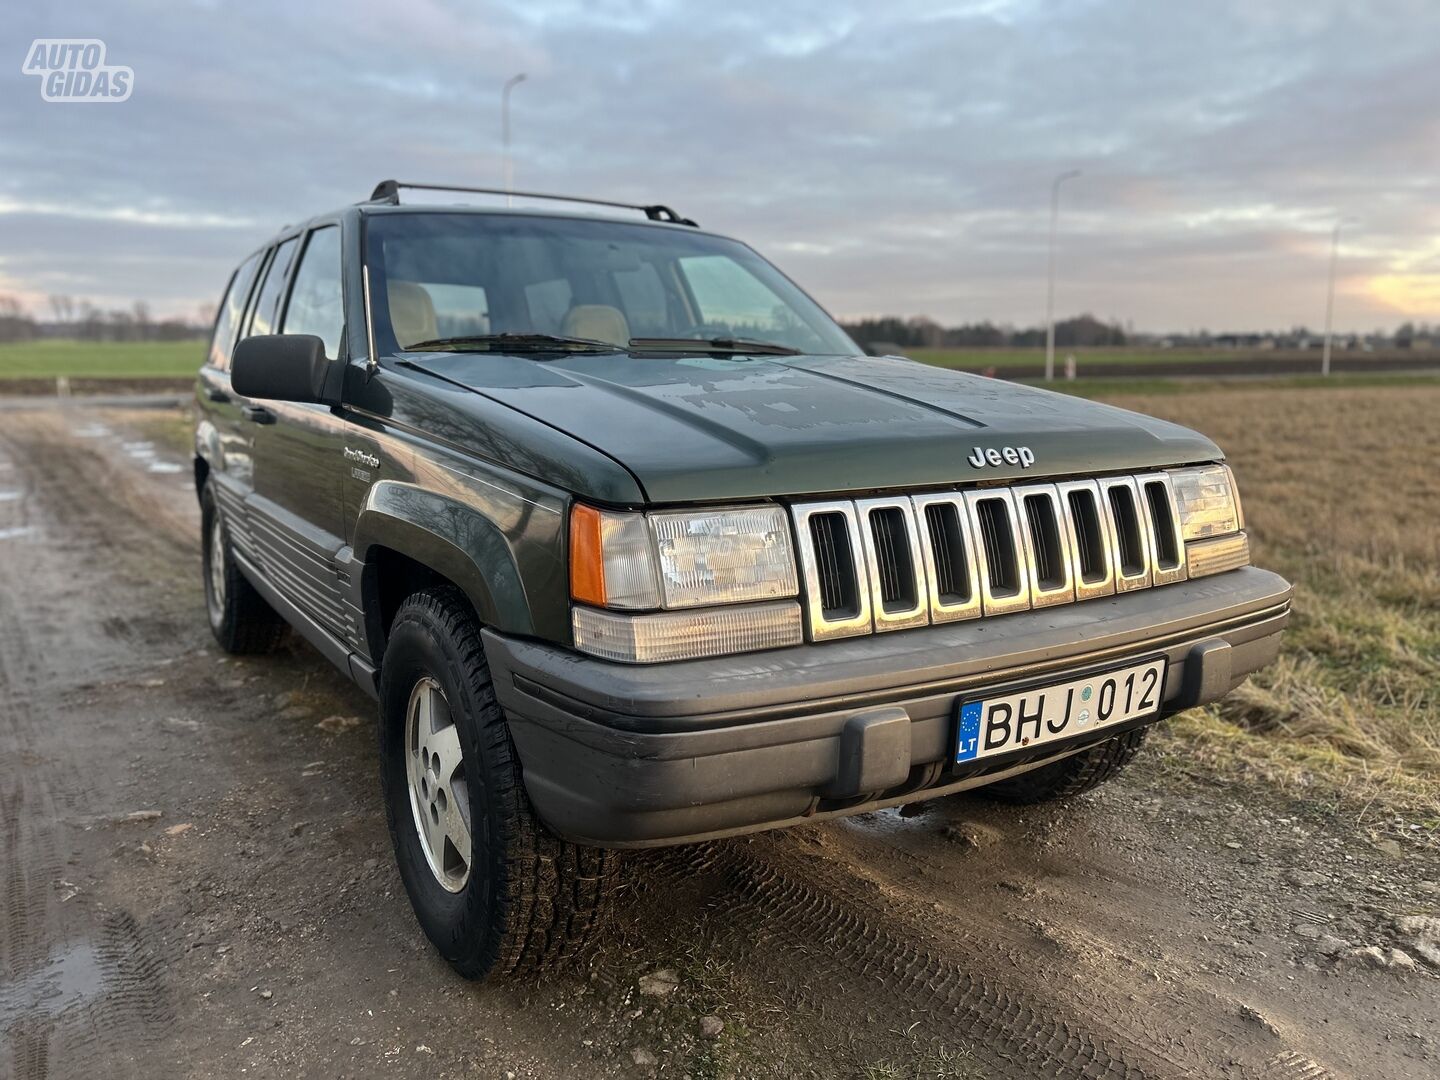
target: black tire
1070 776
242 622
531 900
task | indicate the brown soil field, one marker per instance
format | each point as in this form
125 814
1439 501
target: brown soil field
1341 493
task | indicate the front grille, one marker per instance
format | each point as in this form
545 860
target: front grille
891 563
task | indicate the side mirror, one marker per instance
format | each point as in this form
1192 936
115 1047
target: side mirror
280 367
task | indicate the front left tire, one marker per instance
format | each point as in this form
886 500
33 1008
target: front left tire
494 891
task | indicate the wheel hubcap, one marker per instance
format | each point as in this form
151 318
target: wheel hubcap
439 797
217 565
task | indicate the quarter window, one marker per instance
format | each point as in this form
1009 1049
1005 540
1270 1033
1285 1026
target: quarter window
262 319
732 300
316 306
460 309
231 308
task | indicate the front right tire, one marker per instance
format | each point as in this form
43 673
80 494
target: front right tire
1071 776
495 892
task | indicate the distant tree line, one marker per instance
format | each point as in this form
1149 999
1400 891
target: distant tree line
80 319
920 332
1085 331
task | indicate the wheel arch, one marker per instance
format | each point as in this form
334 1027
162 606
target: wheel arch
408 539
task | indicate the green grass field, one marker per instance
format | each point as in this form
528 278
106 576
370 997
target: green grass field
101 360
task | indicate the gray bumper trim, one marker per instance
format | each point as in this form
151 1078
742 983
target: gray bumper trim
641 755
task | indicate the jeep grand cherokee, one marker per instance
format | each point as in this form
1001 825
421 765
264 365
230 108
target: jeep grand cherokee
634 547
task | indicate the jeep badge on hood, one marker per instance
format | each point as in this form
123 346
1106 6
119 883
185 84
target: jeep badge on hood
981 456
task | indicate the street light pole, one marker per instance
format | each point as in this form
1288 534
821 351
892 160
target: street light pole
1330 293
506 164
1050 279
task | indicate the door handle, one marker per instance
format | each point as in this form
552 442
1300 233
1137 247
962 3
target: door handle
258 414
217 395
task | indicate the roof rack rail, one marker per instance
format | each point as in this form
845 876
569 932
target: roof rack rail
388 191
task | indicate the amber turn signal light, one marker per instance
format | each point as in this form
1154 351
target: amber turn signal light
587 560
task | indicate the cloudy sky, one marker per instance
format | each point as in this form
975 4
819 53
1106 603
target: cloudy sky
894 158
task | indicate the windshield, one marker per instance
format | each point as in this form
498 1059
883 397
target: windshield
437 276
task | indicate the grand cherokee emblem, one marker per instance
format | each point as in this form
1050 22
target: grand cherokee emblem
981 456
363 457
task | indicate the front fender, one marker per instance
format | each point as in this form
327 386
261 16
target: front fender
455 540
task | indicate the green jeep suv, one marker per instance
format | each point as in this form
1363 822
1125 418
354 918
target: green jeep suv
635 547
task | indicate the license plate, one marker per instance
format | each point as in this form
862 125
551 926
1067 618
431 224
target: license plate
995 725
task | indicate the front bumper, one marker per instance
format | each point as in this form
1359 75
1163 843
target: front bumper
634 756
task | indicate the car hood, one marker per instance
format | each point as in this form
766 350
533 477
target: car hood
705 428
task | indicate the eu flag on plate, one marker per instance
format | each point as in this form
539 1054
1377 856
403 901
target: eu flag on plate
968 744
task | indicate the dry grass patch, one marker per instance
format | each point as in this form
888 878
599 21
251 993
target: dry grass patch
1342 495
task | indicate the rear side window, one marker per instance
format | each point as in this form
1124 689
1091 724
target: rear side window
315 304
231 308
262 319
460 309
733 300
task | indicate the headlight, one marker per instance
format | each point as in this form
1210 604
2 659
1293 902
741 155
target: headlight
1206 501
1211 521
679 561
723 556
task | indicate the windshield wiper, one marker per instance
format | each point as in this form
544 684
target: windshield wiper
743 346
512 341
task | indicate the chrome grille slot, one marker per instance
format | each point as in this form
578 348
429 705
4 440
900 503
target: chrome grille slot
1090 534
1167 552
1047 545
832 551
837 592
948 553
897 576
1002 566
942 522
892 555
1130 537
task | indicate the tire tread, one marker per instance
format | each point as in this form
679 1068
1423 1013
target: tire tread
552 896
1071 776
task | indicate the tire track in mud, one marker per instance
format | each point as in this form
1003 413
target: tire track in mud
83 987
28 855
825 935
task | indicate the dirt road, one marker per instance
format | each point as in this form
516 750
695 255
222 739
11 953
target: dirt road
195 879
